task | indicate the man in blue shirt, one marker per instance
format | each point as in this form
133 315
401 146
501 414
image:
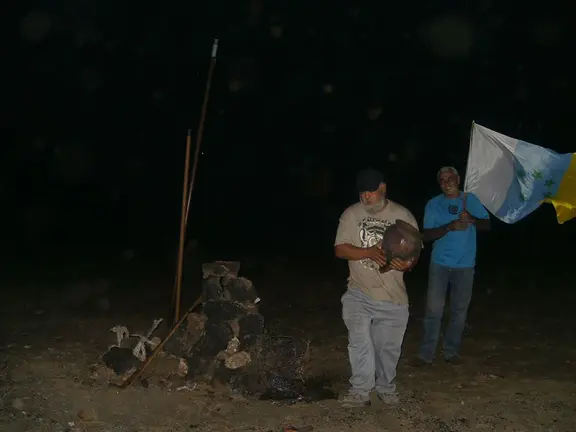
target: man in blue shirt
451 220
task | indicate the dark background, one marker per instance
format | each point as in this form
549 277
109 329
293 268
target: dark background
100 95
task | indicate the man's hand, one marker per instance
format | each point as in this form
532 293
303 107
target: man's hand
376 254
466 217
458 225
401 265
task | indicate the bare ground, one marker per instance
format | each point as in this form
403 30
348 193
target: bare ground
518 376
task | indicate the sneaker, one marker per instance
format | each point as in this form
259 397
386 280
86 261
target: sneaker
355 400
454 360
419 362
389 398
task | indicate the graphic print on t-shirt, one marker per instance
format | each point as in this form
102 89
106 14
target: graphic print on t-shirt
371 233
453 209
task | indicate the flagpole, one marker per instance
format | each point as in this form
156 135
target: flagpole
468 162
469 152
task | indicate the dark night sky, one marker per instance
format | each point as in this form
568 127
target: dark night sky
101 96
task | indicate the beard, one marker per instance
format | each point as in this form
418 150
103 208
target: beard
376 207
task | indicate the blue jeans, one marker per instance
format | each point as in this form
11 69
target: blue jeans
375 334
460 281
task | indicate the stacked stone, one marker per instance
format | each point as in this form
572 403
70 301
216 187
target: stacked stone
228 332
226 341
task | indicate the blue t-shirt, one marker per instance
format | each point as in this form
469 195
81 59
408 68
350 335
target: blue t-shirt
455 248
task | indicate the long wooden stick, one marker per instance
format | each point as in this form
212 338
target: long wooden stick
183 218
187 192
469 155
159 348
200 133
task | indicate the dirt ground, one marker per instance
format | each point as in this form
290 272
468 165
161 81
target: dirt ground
518 375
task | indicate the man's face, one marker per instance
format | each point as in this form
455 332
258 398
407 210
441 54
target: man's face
374 201
449 183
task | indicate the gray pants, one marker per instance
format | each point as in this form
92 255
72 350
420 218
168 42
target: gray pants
375 334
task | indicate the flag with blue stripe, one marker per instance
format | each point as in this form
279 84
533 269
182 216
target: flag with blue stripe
512 178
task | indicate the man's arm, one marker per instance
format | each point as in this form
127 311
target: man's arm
431 231
478 213
433 234
350 252
344 248
354 253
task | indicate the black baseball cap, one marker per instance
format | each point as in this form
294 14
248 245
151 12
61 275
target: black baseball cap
368 180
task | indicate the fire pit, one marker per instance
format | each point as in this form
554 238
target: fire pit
226 344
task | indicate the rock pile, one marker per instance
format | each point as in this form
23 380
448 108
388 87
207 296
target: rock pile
225 344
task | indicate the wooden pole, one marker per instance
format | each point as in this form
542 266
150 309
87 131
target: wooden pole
189 186
200 133
183 218
467 165
159 348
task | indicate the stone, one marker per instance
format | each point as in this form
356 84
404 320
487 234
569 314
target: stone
237 360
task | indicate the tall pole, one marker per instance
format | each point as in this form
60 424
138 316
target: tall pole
189 186
183 219
467 165
469 152
200 132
